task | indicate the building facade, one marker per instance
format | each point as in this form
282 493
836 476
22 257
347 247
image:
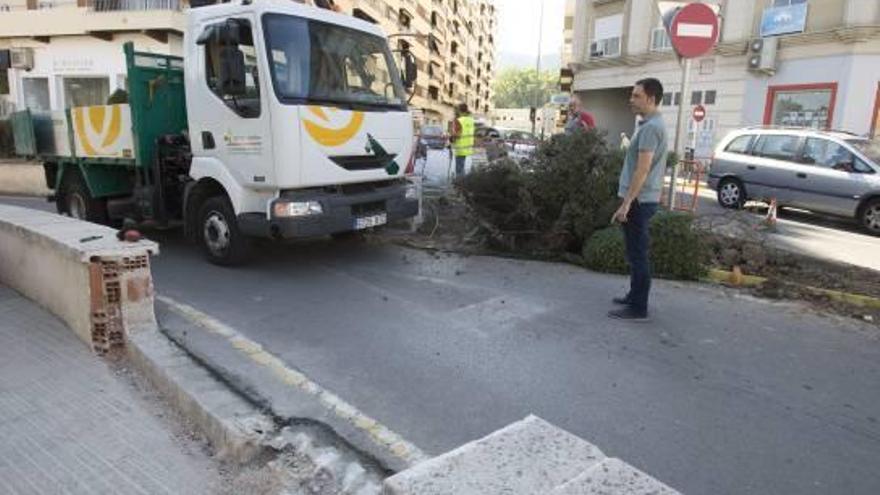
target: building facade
777 62
69 52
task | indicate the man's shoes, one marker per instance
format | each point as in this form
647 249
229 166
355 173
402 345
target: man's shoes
623 301
629 314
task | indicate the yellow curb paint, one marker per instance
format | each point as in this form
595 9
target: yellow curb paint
378 432
723 276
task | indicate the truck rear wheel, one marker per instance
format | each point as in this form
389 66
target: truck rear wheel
218 233
75 200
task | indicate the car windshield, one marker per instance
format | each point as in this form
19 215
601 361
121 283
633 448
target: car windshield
871 149
315 62
432 130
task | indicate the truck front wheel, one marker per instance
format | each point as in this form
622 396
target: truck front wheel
76 200
218 233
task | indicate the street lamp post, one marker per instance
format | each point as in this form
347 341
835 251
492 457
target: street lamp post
538 67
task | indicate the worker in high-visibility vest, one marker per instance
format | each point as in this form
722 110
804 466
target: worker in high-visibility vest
462 136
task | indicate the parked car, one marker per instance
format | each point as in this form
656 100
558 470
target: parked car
520 144
433 137
829 172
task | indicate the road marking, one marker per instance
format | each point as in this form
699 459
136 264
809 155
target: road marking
376 431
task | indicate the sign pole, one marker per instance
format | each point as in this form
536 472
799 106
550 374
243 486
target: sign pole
680 128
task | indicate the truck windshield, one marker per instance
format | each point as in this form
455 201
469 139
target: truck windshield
315 62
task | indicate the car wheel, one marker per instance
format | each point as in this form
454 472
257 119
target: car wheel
76 201
731 194
870 217
219 236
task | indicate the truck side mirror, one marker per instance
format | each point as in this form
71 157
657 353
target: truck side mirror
410 71
232 71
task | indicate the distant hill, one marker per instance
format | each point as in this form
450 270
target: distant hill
549 61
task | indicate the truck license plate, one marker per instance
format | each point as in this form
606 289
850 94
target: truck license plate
370 221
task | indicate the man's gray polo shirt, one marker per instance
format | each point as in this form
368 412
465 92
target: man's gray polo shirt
650 136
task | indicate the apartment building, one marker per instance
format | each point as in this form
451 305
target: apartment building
777 62
453 42
69 52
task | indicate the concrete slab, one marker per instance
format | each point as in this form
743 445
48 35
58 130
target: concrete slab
527 457
613 477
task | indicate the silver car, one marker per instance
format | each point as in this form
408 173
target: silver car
828 172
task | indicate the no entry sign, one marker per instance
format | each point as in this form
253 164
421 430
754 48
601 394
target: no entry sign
693 30
699 113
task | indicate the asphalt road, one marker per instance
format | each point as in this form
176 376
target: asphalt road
720 394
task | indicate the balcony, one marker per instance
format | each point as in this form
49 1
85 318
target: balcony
94 17
133 5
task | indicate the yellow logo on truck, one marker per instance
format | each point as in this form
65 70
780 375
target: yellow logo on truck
329 136
91 122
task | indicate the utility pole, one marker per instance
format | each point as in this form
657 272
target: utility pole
538 65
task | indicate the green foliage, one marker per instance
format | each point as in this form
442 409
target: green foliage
604 252
554 201
517 88
677 250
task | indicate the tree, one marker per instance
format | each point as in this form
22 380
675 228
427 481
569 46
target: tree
516 88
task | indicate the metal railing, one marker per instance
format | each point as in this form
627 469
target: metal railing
133 5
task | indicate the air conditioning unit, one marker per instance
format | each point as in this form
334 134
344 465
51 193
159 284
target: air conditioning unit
762 55
21 58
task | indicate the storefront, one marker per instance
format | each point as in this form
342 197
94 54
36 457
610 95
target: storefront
74 71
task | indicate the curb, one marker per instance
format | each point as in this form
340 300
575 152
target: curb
723 277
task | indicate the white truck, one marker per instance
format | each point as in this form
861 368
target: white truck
280 121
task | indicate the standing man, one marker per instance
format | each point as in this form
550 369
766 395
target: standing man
578 117
641 182
462 136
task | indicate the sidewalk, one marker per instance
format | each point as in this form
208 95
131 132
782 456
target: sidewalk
71 424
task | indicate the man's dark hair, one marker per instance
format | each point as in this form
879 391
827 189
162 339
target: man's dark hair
463 108
653 88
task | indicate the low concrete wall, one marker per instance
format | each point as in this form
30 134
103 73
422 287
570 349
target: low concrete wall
100 287
23 179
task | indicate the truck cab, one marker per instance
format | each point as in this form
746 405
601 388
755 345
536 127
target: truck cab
280 121
298 125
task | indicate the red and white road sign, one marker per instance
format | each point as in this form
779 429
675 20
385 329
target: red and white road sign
699 113
694 30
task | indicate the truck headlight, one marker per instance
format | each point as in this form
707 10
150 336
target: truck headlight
297 208
412 191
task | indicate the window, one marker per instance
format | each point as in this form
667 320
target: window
786 3
778 146
607 32
696 98
4 82
667 99
677 98
828 154
36 93
247 105
86 91
660 41
709 98
740 144
329 64
801 105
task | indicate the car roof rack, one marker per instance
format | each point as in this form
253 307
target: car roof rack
801 128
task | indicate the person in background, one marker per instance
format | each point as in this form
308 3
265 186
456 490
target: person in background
462 137
578 117
624 141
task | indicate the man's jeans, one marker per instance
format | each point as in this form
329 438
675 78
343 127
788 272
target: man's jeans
459 165
638 240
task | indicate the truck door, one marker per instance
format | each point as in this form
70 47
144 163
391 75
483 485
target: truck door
233 128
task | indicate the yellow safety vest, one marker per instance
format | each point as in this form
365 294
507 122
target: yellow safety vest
464 144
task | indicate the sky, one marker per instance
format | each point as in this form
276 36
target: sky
518 26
